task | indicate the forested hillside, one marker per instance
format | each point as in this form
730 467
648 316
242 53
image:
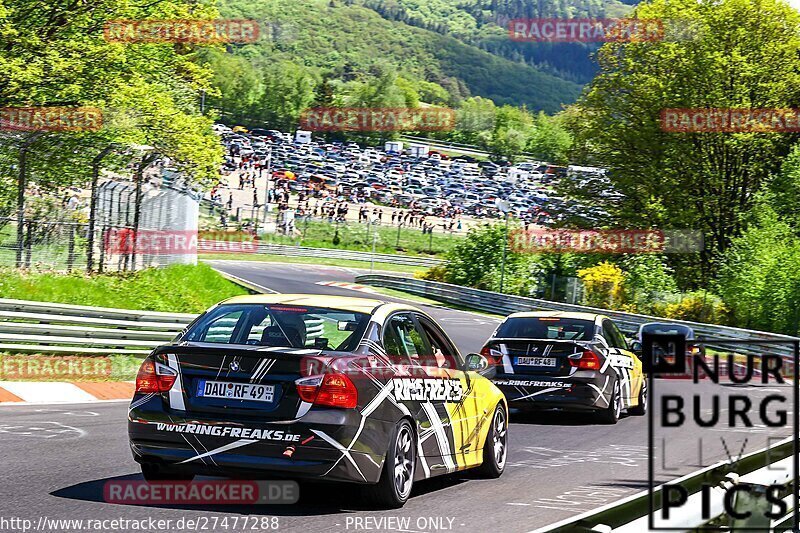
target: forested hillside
484 24
352 44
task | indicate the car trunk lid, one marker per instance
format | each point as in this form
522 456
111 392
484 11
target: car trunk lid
548 357
237 380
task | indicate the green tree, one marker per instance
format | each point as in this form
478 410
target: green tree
784 190
550 141
512 130
476 260
288 90
759 280
56 54
741 54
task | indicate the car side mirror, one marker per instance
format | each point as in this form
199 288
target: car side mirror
476 362
636 347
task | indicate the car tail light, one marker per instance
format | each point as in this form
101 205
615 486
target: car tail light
155 377
494 357
333 390
587 361
307 388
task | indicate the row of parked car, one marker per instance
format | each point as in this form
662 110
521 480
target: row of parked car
432 183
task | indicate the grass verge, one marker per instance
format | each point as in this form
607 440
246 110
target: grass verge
176 289
359 237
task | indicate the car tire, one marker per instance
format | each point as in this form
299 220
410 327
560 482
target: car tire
397 476
610 414
641 408
153 472
495 448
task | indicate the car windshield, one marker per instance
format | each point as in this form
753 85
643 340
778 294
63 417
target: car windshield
280 325
546 328
668 329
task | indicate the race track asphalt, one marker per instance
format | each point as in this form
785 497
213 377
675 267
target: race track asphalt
57 458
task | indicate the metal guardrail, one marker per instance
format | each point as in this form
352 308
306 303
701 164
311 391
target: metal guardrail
92 312
44 327
760 469
505 304
353 255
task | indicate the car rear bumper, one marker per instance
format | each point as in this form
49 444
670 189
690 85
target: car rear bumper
540 392
316 446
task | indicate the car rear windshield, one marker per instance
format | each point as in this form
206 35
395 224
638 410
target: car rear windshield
280 325
668 329
546 328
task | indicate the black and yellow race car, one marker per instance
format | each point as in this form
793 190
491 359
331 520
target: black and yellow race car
566 361
320 387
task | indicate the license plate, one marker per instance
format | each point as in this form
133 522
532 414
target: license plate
536 361
235 391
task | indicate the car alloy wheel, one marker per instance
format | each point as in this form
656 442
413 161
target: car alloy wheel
499 436
641 409
404 461
495 448
610 414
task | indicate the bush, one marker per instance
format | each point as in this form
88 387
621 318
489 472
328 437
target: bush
475 261
602 285
697 306
759 279
436 273
647 281
522 275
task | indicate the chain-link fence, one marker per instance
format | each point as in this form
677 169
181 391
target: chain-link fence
158 229
73 201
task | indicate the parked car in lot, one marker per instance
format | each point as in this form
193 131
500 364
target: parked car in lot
468 185
316 387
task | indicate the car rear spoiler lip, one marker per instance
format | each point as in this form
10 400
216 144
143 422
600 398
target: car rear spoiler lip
525 339
236 350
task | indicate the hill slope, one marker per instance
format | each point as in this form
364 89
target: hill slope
484 24
349 40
